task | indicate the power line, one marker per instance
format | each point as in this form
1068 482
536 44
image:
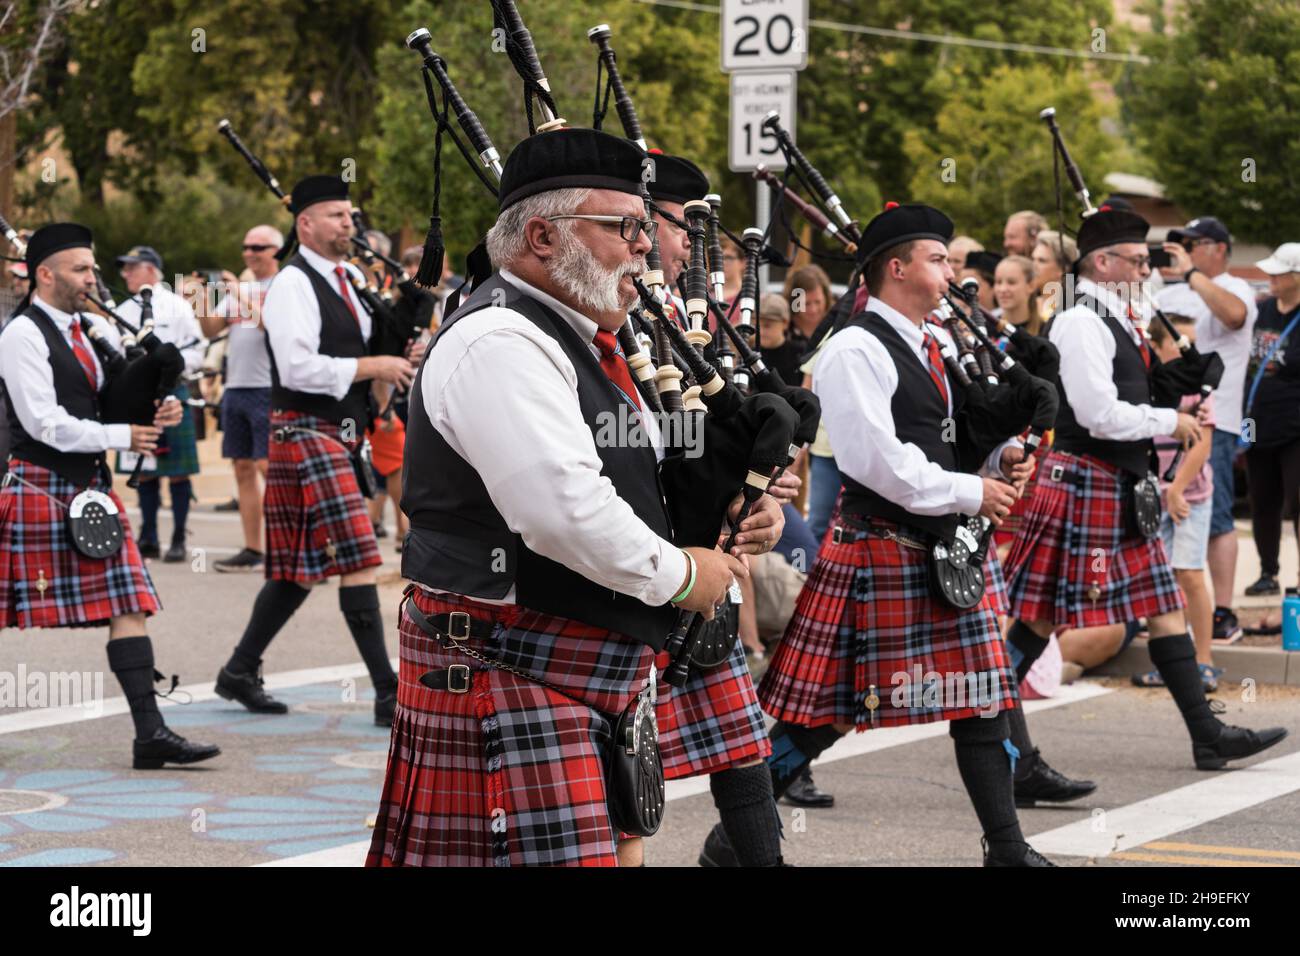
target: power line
940 38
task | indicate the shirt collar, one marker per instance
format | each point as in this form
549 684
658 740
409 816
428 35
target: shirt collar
319 262
1109 301
911 333
61 319
584 326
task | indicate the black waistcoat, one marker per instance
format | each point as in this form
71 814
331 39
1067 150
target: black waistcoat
921 418
340 337
1133 385
460 543
76 396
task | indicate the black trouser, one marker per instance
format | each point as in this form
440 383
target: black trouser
1274 475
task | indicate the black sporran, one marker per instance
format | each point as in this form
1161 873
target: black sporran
634 779
95 525
1144 506
957 566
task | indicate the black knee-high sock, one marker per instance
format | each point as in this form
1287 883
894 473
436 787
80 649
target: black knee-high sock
1175 659
1018 731
360 606
150 502
275 604
131 660
794 748
1026 647
743 796
180 492
985 766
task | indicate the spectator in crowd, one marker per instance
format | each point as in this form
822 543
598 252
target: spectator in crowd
173 321
1198 284
982 267
959 249
1013 290
246 401
1272 404
1054 256
1185 521
808 292
774 342
387 443
733 267
1021 232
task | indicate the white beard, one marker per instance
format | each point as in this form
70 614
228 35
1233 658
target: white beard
578 273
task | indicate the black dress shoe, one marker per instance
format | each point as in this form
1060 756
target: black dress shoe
1233 744
167 746
175 554
247 690
717 850
1045 785
385 708
1267 584
1013 854
148 549
804 793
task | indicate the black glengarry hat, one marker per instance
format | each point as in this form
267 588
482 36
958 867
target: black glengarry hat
675 179
570 159
56 237
316 189
983 261
903 223
1111 227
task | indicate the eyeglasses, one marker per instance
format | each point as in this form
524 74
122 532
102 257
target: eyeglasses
1138 261
1191 244
629 227
256 247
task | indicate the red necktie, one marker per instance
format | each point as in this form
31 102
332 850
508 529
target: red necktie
934 363
615 366
1142 342
343 291
80 350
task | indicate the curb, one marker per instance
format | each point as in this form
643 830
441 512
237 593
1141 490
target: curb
1264 665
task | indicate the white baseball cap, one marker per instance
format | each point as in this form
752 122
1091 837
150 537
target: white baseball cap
1285 258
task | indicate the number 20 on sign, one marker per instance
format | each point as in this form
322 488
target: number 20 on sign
764 35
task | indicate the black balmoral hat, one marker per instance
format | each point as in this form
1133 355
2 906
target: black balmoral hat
316 189
903 223
570 159
1110 227
676 179
56 237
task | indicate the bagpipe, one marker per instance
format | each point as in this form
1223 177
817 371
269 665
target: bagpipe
1191 373
15 240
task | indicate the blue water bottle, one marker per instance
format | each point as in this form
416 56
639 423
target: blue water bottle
1291 620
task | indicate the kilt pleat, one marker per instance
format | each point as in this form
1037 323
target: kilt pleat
869 645
1073 562
713 722
44 580
511 773
316 519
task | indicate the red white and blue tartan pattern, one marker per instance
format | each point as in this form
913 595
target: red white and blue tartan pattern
866 622
511 773
1074 540
995 583
712 723
313 506
44 580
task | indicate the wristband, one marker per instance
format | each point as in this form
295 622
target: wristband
690 583
1187 276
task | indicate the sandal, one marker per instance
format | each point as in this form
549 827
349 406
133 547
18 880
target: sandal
1149 679
1210 677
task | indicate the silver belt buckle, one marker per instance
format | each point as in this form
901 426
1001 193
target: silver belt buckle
458 678
1058 472
837 535
458 626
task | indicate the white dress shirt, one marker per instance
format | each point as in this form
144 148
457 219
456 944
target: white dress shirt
292 320
173 321
856 380
1087 350
1233 345
504 396
29 382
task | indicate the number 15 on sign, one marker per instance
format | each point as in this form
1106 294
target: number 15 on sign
753 96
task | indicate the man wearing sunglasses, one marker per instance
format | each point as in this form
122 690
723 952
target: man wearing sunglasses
1198 284
246 401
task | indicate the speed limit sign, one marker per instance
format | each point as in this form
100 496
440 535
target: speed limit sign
764 35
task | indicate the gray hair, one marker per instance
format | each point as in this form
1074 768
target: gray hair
505 240
379 241
271 233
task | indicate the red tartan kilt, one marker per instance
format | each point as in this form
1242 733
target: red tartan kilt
317 524
866 623
510 773
44 580
1073 547
712 723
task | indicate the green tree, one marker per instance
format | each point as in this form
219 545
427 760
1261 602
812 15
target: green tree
1220 113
